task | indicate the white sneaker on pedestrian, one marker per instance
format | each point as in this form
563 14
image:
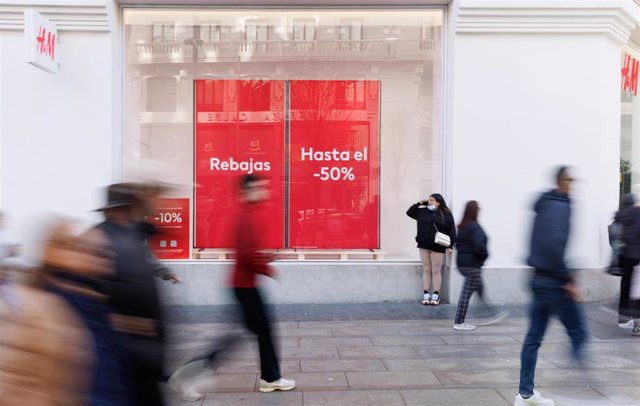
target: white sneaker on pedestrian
626 324
190 394
636 330
280 384
464 326
426 299
494 319
435 299
179 381
535 400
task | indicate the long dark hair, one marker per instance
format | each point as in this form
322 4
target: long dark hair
442 204
470 213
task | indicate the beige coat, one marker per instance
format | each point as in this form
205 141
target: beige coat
45 350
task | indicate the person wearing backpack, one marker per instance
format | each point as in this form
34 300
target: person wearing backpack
629 219
623 260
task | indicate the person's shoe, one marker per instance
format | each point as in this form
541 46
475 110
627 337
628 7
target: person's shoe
464 326
535 400
426 299
435 299
190 394
495 319
626 324
280 384
636 330
179 380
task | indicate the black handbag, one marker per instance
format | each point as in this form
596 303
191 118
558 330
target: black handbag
615 269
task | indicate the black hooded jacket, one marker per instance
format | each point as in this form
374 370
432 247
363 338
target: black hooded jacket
427 222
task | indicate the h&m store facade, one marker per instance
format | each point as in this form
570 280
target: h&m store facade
353 113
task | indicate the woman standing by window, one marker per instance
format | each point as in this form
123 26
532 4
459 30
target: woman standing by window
432 216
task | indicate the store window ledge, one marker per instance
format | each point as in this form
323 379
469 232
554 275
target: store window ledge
300 255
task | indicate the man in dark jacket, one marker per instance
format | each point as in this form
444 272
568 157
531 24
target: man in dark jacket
553 285
133 294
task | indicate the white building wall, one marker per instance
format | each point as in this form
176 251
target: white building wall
530 85
57 129
525 101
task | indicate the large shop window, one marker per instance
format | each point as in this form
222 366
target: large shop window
340 109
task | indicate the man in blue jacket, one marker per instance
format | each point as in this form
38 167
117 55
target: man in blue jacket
554 288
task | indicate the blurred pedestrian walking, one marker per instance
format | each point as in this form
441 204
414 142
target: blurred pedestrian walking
436 232
58 346
253 260
625 240
554 286
471 244
133 293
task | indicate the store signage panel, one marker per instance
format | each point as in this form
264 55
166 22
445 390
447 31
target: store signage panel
334 169
171 221
630 67
227 145
41 36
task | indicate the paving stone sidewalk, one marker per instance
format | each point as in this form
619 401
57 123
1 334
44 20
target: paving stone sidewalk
404 354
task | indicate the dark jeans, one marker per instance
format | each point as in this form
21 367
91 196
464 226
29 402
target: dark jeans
549 299
256 320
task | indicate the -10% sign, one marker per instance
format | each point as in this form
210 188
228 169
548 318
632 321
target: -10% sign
169 218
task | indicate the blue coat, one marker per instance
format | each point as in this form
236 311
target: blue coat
550 234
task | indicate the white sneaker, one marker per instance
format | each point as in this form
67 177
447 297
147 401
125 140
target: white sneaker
435 299
535 400
280 384
190 395
627 324
426 299
495 319
179 381
464 326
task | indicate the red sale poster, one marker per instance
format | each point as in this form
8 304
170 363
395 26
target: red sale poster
239 129
334 164
171 220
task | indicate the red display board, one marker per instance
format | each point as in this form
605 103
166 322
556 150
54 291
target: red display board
171 219
334 164
239 129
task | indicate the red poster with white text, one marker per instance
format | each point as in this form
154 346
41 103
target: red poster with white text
239 129
171 221
334 164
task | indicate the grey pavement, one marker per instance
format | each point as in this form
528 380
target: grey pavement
403 354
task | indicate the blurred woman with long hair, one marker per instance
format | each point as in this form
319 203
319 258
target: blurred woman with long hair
472 253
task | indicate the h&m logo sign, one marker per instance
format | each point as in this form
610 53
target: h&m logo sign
41 37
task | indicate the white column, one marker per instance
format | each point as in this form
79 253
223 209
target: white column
536 84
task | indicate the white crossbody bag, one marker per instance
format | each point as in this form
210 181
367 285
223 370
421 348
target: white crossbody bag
442 238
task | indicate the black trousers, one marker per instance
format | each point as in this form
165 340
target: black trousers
625 307
146 358
257 321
